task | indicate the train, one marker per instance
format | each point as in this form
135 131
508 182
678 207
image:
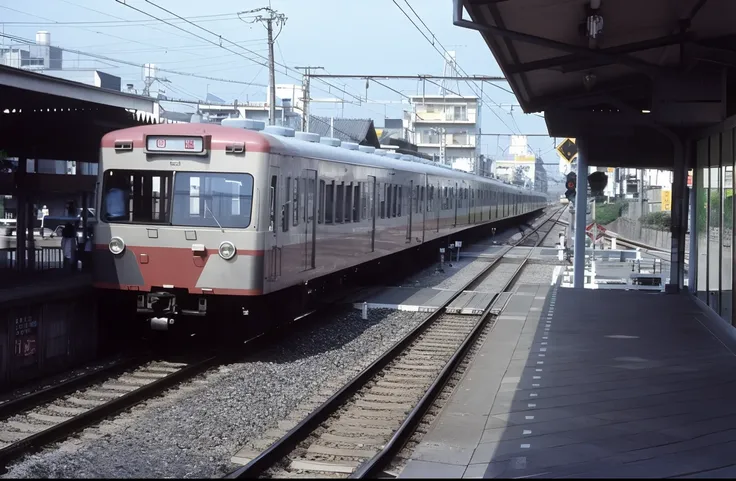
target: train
232 221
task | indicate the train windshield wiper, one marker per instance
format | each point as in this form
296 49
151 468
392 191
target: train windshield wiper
206 208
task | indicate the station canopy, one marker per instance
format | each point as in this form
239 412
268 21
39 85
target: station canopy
43 117
609 67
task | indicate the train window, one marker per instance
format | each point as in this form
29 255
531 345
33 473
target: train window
321 203
430 202
417 200
330 202
349 202
295 201
363 201
400 202
137 196
215 200
340 203
356 202
421 198
285 207
388 202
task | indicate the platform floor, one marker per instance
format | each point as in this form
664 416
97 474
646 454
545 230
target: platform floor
591 383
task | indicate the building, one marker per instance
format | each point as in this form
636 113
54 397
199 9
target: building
446 127
41 56
525 171
359 131
289 104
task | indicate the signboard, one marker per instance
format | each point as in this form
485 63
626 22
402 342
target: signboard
164 143
590 229
690 178
567 149
666 200
611 170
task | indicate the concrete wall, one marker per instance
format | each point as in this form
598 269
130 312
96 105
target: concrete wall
46 335
633 230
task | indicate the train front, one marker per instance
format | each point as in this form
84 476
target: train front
178 234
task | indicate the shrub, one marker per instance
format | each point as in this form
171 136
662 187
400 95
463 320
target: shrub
657 220
607 213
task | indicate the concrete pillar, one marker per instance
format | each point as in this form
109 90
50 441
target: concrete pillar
21 219
692 270
679 219
581 199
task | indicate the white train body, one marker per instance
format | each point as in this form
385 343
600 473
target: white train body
203 211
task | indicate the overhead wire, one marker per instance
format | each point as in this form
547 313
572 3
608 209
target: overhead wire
133 64
221 38
82 28
444 53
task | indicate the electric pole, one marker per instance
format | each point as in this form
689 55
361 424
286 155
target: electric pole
280 19
305 99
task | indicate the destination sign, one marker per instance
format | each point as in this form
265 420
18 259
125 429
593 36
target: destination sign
192 145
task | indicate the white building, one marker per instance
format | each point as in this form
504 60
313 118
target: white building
446 127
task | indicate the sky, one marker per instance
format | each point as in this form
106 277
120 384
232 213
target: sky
343 36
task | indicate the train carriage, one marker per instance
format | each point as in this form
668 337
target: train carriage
203 219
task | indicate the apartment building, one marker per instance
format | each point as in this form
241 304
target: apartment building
446 127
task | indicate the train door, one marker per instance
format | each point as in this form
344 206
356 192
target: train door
372 210
437 200
423 203
310 219
411 211
456 198
273 255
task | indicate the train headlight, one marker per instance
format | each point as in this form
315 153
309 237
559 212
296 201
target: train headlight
227 250
116 245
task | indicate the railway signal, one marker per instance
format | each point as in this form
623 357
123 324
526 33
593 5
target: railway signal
597 181
570 184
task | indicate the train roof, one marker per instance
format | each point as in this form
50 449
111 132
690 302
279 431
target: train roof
283 140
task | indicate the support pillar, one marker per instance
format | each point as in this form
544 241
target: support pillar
692 270
581 201
679 217
20 218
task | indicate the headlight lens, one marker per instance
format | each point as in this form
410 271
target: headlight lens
227 250
117 245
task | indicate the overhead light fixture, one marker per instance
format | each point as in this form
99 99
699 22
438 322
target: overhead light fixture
645 111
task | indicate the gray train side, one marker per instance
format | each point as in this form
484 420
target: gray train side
201 219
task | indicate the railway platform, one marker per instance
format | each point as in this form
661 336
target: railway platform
591 383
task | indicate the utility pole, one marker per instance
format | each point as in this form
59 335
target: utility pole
280 19
306 98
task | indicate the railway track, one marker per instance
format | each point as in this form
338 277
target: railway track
32 421
361 428
35 420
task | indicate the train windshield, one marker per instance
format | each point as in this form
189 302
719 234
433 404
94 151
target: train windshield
193 199
137 196
212 199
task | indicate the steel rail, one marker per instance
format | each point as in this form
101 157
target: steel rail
94 415
374 466
281 448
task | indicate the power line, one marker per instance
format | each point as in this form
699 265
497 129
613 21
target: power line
133 64
444 53
83 28
221 38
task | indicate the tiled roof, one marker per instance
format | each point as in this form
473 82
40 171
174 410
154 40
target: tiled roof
360 131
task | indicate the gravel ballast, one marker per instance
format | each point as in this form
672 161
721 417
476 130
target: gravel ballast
192 431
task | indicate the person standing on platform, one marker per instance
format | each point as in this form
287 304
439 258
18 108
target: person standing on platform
68 247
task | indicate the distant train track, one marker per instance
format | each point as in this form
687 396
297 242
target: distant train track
361 428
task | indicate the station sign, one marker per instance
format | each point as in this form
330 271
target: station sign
567 149
168 143
666 200
589 231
